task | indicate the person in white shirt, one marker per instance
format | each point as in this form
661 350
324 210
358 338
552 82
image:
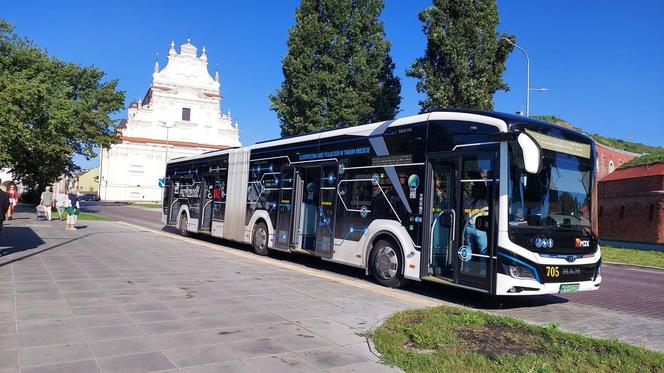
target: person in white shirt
60 204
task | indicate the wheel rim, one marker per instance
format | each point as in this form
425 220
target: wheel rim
261 238
183 225
387 263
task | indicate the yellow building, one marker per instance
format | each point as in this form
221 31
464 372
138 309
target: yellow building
88 181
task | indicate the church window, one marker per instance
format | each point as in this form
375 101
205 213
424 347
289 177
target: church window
611 167
186 114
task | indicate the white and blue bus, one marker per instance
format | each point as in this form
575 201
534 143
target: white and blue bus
492 202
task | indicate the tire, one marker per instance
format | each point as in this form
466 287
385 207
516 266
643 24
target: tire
387 264
182 226
260 238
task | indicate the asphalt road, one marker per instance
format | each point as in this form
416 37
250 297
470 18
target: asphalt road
626 289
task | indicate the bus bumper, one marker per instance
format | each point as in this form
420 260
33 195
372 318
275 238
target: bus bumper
507 285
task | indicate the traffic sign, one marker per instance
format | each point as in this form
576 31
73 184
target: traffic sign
161 182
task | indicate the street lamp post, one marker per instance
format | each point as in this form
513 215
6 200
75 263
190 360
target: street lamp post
528 89
163 123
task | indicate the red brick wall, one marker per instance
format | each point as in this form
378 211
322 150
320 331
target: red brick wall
634 196
605 156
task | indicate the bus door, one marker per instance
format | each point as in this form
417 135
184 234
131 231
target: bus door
285 214
207 191
461 217
167 200
326 210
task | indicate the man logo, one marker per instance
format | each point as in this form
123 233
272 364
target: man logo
581 243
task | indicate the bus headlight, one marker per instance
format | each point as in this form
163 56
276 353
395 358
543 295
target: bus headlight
520 272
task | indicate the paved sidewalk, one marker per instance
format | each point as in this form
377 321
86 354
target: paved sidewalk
121 299
111 298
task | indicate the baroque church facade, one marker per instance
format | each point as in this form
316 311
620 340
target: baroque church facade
179 116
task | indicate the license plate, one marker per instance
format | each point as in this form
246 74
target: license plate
569 288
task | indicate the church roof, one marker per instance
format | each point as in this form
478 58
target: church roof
185 69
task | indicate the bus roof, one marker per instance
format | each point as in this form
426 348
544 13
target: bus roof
500 120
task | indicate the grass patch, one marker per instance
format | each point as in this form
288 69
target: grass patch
147 205
650 258
450 339
91 216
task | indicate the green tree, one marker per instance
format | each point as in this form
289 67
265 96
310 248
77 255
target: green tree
50 110
338 71
465 57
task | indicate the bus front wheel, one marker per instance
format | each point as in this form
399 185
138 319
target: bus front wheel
387 264
182 226
259 240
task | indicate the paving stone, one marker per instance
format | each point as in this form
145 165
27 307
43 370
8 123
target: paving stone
175 340
145 362
199 355
111 332
54 354
368 367
333 357
46 324
142 307
96 310
281 363
103 320
8 359
302 341
227 367
50 337
125 346
255 347
83 366
8 342
150 316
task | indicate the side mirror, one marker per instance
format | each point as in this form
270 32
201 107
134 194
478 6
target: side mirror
531 153
482 223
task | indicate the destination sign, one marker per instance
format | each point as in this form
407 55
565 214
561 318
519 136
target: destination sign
560 145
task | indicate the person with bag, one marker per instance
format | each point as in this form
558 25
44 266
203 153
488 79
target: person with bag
73 209
47 202
12 192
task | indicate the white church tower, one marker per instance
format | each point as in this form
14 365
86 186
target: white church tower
180 115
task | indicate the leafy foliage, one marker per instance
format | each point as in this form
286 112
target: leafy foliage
338 71
50 110
629 146
465 57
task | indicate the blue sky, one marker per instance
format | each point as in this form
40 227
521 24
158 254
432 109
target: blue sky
603 62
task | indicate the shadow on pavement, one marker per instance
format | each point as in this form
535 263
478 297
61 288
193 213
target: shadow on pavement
17 239
433 290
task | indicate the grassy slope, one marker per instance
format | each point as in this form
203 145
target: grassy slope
629 146
451 339
633 256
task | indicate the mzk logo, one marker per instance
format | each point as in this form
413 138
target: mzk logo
582 243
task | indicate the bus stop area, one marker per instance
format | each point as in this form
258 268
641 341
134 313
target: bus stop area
115 297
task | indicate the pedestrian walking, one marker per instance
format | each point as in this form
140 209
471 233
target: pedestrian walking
4 206
60 205
46 201
73 209
12 192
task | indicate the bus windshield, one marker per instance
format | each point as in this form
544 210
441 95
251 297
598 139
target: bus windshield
558 197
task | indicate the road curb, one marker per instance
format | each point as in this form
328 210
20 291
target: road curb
619 264
360 284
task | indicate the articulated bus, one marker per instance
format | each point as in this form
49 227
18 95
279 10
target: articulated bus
492 202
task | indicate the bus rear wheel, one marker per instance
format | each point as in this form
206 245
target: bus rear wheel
387 264
259 240
182 226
